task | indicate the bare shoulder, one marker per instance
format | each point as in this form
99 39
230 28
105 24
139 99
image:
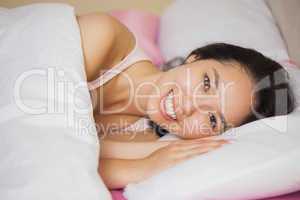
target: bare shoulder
101 37
97 38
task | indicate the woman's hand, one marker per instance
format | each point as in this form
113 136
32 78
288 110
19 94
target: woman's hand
117 173
178 151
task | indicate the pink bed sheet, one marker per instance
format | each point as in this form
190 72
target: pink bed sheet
118 195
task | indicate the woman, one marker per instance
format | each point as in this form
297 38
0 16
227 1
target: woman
218 86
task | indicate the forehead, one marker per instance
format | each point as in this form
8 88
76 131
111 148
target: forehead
235 89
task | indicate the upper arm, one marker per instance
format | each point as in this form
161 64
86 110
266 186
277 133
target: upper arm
104 41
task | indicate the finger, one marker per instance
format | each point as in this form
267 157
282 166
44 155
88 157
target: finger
185 148
201 140
197 143
198 151
182 148
214 142
209 139
208 145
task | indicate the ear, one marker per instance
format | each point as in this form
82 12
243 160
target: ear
191 59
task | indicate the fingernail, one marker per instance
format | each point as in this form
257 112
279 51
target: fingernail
231 140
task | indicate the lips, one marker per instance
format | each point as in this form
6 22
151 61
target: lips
167 107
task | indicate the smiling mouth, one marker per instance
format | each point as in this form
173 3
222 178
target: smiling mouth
168 108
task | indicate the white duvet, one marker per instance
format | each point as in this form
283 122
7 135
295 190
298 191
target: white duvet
48 141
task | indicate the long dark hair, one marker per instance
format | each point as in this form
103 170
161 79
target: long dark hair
273 95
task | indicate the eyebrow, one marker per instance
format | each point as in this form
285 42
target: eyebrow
216 82
223 122
217 77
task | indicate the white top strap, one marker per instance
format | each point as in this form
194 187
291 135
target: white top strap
134 56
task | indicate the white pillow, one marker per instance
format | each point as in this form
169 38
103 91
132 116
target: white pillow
263 158
187 25
49 148
294 76
262 161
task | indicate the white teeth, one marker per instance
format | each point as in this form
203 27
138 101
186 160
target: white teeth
169 105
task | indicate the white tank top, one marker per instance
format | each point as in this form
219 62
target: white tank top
136 55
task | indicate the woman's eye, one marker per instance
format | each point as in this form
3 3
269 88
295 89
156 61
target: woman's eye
212 120
206 83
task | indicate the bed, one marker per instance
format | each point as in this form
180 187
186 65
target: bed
285 12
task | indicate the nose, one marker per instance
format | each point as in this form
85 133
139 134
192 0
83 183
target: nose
190 107
187 106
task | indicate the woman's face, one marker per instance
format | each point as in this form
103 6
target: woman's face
201 98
